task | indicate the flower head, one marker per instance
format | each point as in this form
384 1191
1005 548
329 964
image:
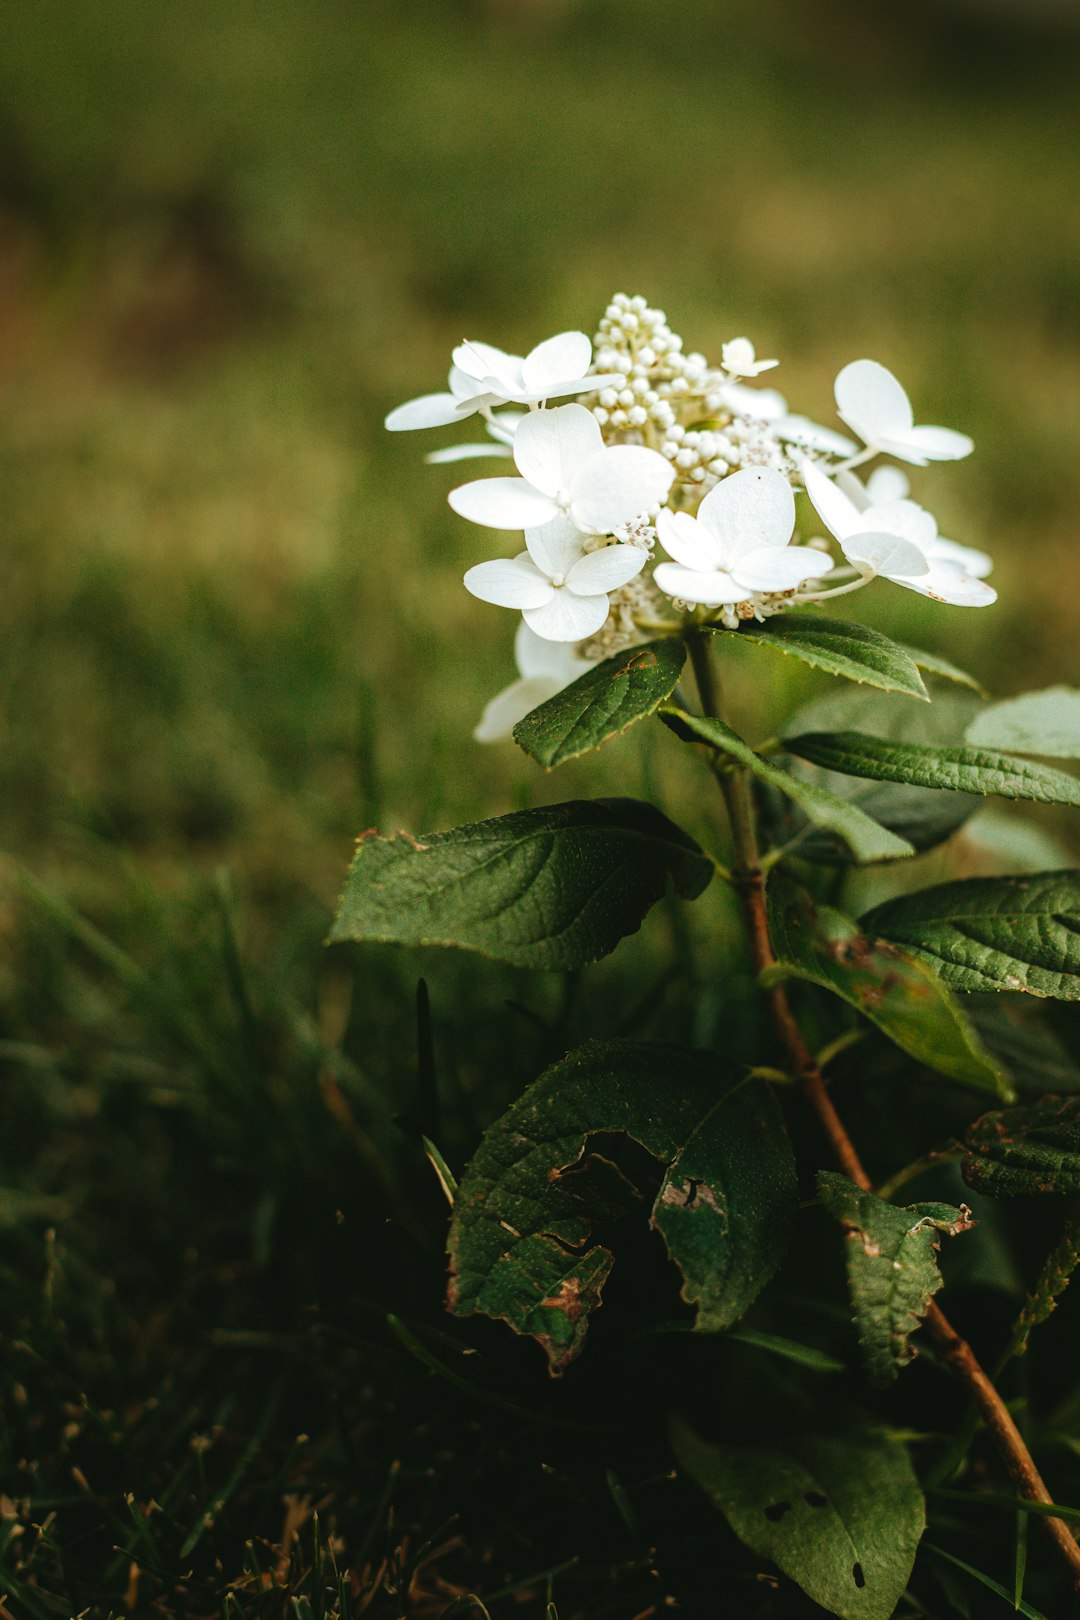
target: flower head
567 471
737 544
561 589
875 406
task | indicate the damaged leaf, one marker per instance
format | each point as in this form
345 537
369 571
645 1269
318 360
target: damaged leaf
602 703
841 1514
550 888
892 1267
1021 1152
520 1238
888 985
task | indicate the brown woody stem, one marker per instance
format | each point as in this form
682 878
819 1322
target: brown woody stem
748 879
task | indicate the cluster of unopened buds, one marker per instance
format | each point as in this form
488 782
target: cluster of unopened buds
665 496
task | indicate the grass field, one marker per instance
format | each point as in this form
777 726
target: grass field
233 636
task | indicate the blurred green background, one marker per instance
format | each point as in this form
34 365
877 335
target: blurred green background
232 237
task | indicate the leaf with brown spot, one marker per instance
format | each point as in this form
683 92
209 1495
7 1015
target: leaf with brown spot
602 703
1025 1152
897 992
520 1237
892 1267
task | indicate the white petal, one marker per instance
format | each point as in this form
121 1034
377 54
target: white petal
904 518
966 558
871 401
555 547
606 569
748 509
462 386
486 363
946 584
712 587
503 503
512 704
505 425
780 568
836 510
550 446
937 444
562 359
687 540
618 485
885 553
579 385
430 410
467 452
760 403
885 484
567 617
812 436
552 660
513 582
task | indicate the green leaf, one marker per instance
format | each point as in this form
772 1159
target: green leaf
892 1267
991 1585
549 888
841 1514
1046 723
962 769
924 817
1023 1152
994 933
602 703
864 837
932 664
1026 1049
840 647
519 1237
892 988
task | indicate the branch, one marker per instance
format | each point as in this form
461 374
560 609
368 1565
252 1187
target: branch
749 881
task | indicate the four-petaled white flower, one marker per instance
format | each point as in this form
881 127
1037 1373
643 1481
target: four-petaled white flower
567 471
739 359
891 484
876 407
544 668
896 539
483 376
737 544
561 589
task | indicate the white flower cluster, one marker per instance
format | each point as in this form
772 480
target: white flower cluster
664 448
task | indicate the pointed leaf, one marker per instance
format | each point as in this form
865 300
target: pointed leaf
841 1514
550 888
892 1267
923 816
998 933
1046 723
963 769
934 664
1021 1152
519 1239
1030 1053
601 703
867 840
840 647
892 988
